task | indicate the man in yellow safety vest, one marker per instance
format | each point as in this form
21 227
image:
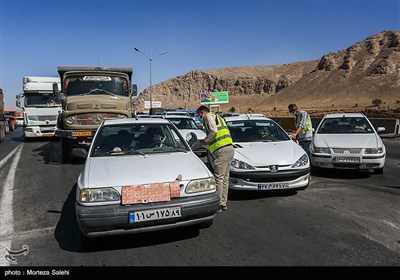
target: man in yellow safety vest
219 143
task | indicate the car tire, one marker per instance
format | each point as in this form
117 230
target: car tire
378 171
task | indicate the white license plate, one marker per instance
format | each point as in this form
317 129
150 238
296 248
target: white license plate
346 159
273 186
155 214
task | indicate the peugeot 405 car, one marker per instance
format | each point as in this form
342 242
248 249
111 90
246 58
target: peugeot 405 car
265 156
141 175
348 141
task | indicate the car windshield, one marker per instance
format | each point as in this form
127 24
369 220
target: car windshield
112 85
256 131
345 125
183 123
138 139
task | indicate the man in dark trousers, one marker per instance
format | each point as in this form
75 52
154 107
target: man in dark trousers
219 143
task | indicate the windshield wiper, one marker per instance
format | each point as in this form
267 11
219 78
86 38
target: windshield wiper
98 90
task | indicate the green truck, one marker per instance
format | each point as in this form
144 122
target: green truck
90 95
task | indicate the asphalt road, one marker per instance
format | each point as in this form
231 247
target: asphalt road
341 219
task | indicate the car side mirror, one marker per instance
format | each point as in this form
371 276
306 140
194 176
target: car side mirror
381 129
193 141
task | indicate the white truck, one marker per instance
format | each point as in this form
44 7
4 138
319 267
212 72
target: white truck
40 106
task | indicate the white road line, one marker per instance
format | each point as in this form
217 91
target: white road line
6 206
4 160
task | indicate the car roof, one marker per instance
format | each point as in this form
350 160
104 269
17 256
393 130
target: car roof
344 115
248 117
136 121
177 116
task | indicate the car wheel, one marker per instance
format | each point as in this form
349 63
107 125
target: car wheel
378 171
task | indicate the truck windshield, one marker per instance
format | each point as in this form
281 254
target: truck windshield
92 84
41 100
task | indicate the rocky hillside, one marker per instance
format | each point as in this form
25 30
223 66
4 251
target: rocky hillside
350 78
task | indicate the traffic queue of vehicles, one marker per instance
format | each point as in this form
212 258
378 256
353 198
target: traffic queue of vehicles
141 173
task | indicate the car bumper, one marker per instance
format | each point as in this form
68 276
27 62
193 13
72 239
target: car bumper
286 179
107 220
39 131
365 162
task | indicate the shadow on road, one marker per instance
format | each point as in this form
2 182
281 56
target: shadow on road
340 173
51 153
248 195
67 234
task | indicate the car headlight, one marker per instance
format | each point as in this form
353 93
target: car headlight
378 150
321 150
70 120
301 161
201 185
238 164
98 195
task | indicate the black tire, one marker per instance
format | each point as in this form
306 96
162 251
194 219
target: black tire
66 149
378 171
2 132
12 127
7 127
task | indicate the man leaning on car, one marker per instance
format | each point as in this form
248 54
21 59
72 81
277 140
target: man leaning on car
219 143
303 125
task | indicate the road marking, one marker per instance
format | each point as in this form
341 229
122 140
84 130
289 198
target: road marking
6 207
4 160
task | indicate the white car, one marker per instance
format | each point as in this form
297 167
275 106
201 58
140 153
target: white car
265 156
348 141
141 175
187 124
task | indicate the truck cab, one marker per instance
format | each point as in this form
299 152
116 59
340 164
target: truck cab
89 96
40 107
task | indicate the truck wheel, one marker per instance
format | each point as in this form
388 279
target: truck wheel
66 150
12 127
2 132
7 127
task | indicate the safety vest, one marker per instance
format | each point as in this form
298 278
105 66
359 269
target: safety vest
223 136
307 126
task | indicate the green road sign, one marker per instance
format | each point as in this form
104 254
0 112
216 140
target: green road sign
217 97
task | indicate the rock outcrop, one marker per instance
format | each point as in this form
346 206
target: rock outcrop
353 77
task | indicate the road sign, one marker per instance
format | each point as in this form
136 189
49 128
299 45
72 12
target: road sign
216 97
155 104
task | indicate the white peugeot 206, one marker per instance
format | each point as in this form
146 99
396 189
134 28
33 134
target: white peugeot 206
348 141
141 175
265 156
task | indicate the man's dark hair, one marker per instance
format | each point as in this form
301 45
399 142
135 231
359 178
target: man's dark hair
202 108
292 107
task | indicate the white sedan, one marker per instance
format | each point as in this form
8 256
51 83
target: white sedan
141 175
265 156
348 141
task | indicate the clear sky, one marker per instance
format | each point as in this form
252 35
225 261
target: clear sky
37 36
